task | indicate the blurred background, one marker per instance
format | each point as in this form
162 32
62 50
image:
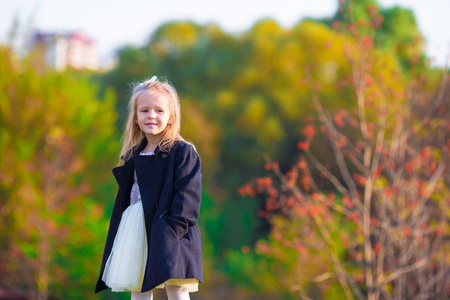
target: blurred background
288 103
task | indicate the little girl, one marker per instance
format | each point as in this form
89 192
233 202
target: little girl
153 239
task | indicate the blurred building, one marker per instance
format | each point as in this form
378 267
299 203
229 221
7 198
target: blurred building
61 51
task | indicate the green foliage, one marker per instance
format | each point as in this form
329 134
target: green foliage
397 30
253 271
400 33
57 140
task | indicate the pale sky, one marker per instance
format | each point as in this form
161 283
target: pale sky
114 23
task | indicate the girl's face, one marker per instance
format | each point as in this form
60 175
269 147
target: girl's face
152 114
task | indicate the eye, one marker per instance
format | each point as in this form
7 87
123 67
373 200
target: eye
144 110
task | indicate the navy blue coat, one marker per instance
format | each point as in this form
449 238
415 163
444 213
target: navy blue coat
170 186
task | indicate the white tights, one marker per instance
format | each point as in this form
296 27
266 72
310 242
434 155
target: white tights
174 292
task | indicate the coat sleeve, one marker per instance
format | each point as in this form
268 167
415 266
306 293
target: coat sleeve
185 207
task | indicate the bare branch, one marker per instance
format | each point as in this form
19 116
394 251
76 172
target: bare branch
397 273
321 277
327 173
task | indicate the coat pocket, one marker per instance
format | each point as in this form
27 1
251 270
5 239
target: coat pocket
165 247
164 227
169 227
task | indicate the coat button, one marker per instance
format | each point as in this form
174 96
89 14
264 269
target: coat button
164 155
156 204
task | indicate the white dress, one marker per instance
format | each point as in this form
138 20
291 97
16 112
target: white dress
125 267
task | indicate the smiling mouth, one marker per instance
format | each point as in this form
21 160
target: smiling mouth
150 124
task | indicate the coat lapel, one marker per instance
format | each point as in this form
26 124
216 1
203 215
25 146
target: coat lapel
124 174
124 178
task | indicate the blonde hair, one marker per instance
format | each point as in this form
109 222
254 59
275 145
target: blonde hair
133 135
